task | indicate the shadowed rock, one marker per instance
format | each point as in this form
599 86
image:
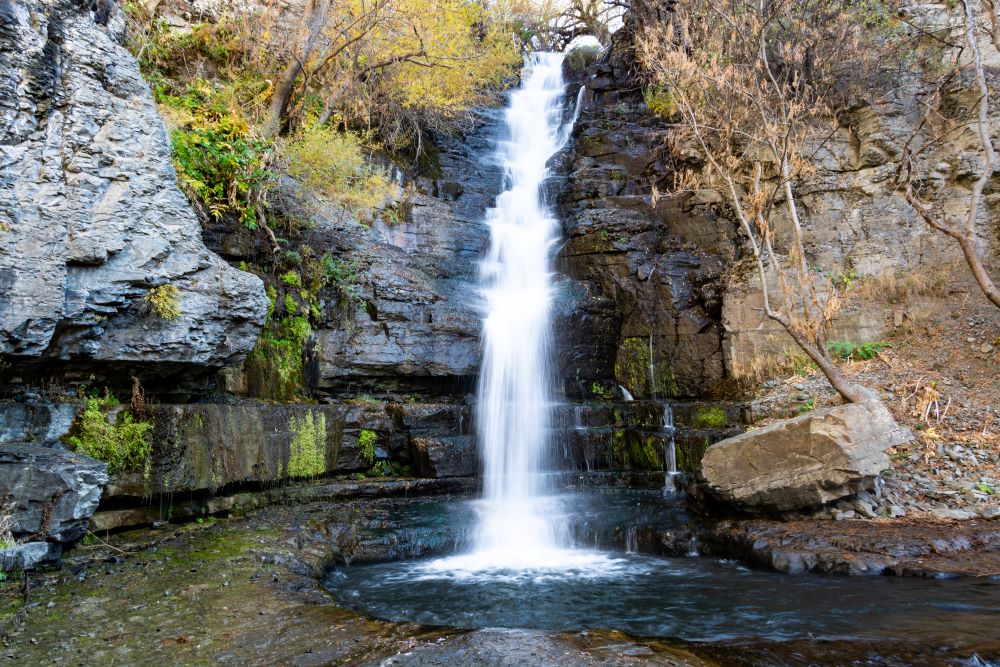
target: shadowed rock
53 491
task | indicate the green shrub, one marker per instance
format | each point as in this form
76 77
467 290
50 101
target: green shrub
163 301
581 57
333 163
124 445
367 441
855 351
659 101
223 171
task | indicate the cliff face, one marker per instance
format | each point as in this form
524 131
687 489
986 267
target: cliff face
91 218
663 301
647 277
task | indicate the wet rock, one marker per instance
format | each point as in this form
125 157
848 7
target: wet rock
446 457
53 491
803 462
92 215
206 446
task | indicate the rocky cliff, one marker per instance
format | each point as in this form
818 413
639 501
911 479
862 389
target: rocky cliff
661 300
91 219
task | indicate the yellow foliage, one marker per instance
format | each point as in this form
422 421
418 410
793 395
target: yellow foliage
333 163
163 301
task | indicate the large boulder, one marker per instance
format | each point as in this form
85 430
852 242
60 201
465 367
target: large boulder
803 462
53 491
91 218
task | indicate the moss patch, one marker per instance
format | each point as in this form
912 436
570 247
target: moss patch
709 417
123 443
632 370
632 450
307 450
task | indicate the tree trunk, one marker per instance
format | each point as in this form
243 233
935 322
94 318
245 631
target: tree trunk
314 21
852 393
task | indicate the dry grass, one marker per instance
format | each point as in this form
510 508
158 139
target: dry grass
766 366
902 287
6 525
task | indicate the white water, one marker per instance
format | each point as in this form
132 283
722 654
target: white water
670 478
520 521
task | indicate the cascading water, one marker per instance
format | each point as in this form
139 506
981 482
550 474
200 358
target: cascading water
520 527
513 403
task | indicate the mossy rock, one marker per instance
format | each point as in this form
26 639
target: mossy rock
709 417
632 450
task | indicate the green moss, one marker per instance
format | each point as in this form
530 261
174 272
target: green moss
600 391
307 451
633 451
709 417
367 440
275 368
632 370
125 444
689 454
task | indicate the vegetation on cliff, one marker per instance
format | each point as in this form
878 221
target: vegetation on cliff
121 440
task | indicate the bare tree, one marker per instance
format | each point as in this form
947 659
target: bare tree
964 66
747 83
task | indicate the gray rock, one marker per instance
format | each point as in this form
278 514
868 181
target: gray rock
446 457
991 512
863 508
803 462
28 555
896 511
90 211
53 491
952 514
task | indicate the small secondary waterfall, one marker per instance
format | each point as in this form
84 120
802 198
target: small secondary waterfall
670 478
514 397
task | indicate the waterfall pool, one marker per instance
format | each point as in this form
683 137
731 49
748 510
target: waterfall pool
694 599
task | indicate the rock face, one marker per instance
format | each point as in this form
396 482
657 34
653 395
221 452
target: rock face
642 304
210 446
803 462
411 325
53 491
91 217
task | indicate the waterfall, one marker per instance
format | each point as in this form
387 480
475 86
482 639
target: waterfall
514 398
670 480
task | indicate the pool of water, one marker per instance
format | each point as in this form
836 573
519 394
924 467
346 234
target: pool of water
693 599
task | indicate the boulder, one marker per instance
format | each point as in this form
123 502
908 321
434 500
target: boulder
803 462
28 555
53 491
